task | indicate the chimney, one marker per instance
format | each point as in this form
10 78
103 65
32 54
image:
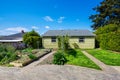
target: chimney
22 31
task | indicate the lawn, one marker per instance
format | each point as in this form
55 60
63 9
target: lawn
108 57
76 57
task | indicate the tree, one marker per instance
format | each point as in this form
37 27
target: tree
108 12
32 39
63 42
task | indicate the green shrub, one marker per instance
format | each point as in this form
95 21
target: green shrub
59 42
27 50
2 55
32 39
8 57
110 41
10 48
32 56
109 37
66 43
7 54
104 41
2 47
63 43
59 58
6 48
114 42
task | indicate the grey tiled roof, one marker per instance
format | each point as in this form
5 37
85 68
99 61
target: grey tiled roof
68 32
12 37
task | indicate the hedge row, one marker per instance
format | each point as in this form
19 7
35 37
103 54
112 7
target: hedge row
108 37
110 41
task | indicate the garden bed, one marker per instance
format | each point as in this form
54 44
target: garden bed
26 58
107 57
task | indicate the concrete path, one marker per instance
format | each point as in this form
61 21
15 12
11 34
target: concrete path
116 67
103 66
33 64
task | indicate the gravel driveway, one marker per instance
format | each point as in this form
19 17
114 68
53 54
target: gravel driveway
54 72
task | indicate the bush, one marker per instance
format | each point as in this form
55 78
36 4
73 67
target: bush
110 41
63 43
10 48
7 54
32 56
2 55
114 42
59 58
27 50
2 47
8 57
59 42
32 39
109 37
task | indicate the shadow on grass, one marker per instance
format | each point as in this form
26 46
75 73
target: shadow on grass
71 52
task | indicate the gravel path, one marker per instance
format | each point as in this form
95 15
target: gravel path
54 72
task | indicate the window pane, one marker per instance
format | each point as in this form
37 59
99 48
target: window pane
81 39
53 39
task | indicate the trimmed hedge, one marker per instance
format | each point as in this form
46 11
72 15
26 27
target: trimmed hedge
109 37
110 41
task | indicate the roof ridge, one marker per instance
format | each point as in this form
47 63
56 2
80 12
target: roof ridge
70 32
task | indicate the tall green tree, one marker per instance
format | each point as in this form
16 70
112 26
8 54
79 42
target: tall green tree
108 12
32 39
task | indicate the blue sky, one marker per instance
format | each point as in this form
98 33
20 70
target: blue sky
43 15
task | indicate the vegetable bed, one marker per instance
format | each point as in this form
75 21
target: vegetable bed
27 58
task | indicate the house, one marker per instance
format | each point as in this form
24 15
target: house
85 39
14 39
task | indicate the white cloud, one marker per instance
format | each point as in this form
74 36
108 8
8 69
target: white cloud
12 30
47 27
48 18
16 29
60 20
4 32
35 27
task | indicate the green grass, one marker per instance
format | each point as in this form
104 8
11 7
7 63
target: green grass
80 60
107 57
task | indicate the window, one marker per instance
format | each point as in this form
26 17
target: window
53 39
81 39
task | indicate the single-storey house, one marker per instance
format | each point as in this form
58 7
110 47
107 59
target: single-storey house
14 39
85 39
